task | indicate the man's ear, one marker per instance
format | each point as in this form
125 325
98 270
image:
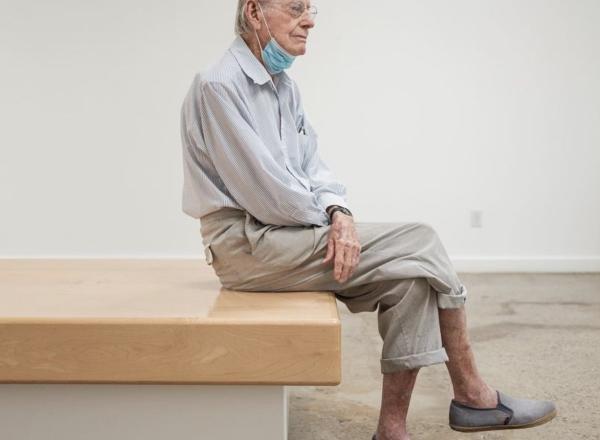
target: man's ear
253 16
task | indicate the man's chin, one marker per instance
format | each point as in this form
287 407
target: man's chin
300 49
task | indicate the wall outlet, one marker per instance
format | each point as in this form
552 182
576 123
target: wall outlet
476 219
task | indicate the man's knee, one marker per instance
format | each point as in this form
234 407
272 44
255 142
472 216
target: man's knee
427 229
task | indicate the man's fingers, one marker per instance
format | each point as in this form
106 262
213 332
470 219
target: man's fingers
353 257
343 246
347 264
345 253
330 250
339 260
355 261
346 260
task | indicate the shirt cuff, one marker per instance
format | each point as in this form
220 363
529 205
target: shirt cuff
327 199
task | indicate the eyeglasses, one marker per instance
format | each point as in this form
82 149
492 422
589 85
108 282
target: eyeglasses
297 9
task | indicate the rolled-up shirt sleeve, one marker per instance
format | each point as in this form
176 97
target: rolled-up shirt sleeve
247 167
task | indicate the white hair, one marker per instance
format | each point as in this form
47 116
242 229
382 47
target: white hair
241 25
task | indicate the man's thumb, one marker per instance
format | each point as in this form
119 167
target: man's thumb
330 249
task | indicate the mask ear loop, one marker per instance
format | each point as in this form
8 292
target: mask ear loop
266 24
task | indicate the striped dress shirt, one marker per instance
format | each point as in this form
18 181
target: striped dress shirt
247 144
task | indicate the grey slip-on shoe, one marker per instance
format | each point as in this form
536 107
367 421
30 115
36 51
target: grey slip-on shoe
510 413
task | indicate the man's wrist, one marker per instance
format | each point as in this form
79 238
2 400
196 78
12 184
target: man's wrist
332 209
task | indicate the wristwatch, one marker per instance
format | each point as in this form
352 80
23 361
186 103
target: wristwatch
338 208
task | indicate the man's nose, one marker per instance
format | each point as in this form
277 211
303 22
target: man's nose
308 22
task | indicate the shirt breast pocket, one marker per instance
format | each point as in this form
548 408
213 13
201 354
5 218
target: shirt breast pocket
304 148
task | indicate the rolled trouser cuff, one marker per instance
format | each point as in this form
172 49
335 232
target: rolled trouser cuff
391 365
452 300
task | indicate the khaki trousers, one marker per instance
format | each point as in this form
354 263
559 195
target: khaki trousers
404 273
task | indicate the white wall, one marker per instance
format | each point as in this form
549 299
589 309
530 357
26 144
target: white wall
450 106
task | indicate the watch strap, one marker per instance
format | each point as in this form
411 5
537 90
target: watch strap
339 208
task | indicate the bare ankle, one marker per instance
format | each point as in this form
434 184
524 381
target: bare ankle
392 433
479 396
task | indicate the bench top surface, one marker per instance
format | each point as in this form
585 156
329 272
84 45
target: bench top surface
159 321
156 289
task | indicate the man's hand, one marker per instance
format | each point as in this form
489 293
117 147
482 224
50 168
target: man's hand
344 245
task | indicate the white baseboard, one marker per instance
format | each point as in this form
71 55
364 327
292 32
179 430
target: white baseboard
527 264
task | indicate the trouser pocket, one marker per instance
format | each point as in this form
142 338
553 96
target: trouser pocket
277 246
208 254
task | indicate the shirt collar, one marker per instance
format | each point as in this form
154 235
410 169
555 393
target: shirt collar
253 68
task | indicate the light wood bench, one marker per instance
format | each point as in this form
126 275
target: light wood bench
154 349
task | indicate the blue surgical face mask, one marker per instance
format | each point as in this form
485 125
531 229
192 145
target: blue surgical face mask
275 57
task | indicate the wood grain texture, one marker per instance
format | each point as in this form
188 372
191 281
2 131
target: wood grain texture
158 321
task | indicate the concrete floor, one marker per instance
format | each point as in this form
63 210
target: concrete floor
535 336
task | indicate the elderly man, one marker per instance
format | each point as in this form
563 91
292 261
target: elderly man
273 217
